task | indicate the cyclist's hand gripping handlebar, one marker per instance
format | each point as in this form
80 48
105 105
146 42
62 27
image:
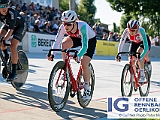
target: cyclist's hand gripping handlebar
4 42
76 58
118 57
49 56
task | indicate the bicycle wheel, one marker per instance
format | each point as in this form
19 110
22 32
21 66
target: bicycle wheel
22 70
126 81
145 87
58 88
148 69
83 103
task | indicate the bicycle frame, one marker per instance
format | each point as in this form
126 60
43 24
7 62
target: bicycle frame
74 82
68 70
136 78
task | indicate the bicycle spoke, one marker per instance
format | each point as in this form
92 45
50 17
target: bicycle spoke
58 87
144 88
126 81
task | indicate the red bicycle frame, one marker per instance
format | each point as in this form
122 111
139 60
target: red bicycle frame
68 69
136 78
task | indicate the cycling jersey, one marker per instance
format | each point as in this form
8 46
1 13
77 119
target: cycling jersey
139 37
84 32
13 20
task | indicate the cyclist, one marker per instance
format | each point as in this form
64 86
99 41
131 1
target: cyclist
139 42
79 33
13 24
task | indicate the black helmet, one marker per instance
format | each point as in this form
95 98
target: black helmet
4 3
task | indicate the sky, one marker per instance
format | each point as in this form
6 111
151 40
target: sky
106 14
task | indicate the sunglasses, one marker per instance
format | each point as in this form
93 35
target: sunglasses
68 24
132 30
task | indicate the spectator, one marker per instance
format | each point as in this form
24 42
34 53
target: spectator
94 29
46 28
118 38
152 41
105 37
18 8
55 25
40 9
157 40
37 6
36 28
12 3
110 37
24 7
23 15
20 3
99 29
33 19
31 6
28 21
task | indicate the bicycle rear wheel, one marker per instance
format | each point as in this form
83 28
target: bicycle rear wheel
145 87
58 87
146 65
83 103
22 70
126 81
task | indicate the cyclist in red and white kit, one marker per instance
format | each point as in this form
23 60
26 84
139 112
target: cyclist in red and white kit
79 33
139 42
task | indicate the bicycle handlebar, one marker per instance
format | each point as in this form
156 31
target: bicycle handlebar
4 42
65 50
130 53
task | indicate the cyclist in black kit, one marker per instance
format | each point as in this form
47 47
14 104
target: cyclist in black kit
13 24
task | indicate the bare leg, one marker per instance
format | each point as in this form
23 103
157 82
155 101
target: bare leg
66 43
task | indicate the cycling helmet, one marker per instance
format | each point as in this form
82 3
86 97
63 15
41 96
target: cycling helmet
133 24
69 16
4 3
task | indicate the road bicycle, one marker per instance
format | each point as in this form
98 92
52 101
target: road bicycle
60 87
129 79
22 68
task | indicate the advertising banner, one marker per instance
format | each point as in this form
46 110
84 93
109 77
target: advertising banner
107 48
40 43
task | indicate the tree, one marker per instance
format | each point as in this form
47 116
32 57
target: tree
87 10
64 4
123 22
140 10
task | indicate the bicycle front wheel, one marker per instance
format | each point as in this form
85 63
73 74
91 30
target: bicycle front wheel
145 87
58 87
83 103
126 81
22 70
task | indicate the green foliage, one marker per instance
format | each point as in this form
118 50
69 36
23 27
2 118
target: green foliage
87 10
64 4
140 10
114 27
123 22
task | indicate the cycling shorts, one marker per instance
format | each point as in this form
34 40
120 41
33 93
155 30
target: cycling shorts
19 31
91 45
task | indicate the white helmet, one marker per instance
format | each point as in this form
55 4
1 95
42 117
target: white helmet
69 16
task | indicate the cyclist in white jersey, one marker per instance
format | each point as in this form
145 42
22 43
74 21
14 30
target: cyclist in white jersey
139 42
79 33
